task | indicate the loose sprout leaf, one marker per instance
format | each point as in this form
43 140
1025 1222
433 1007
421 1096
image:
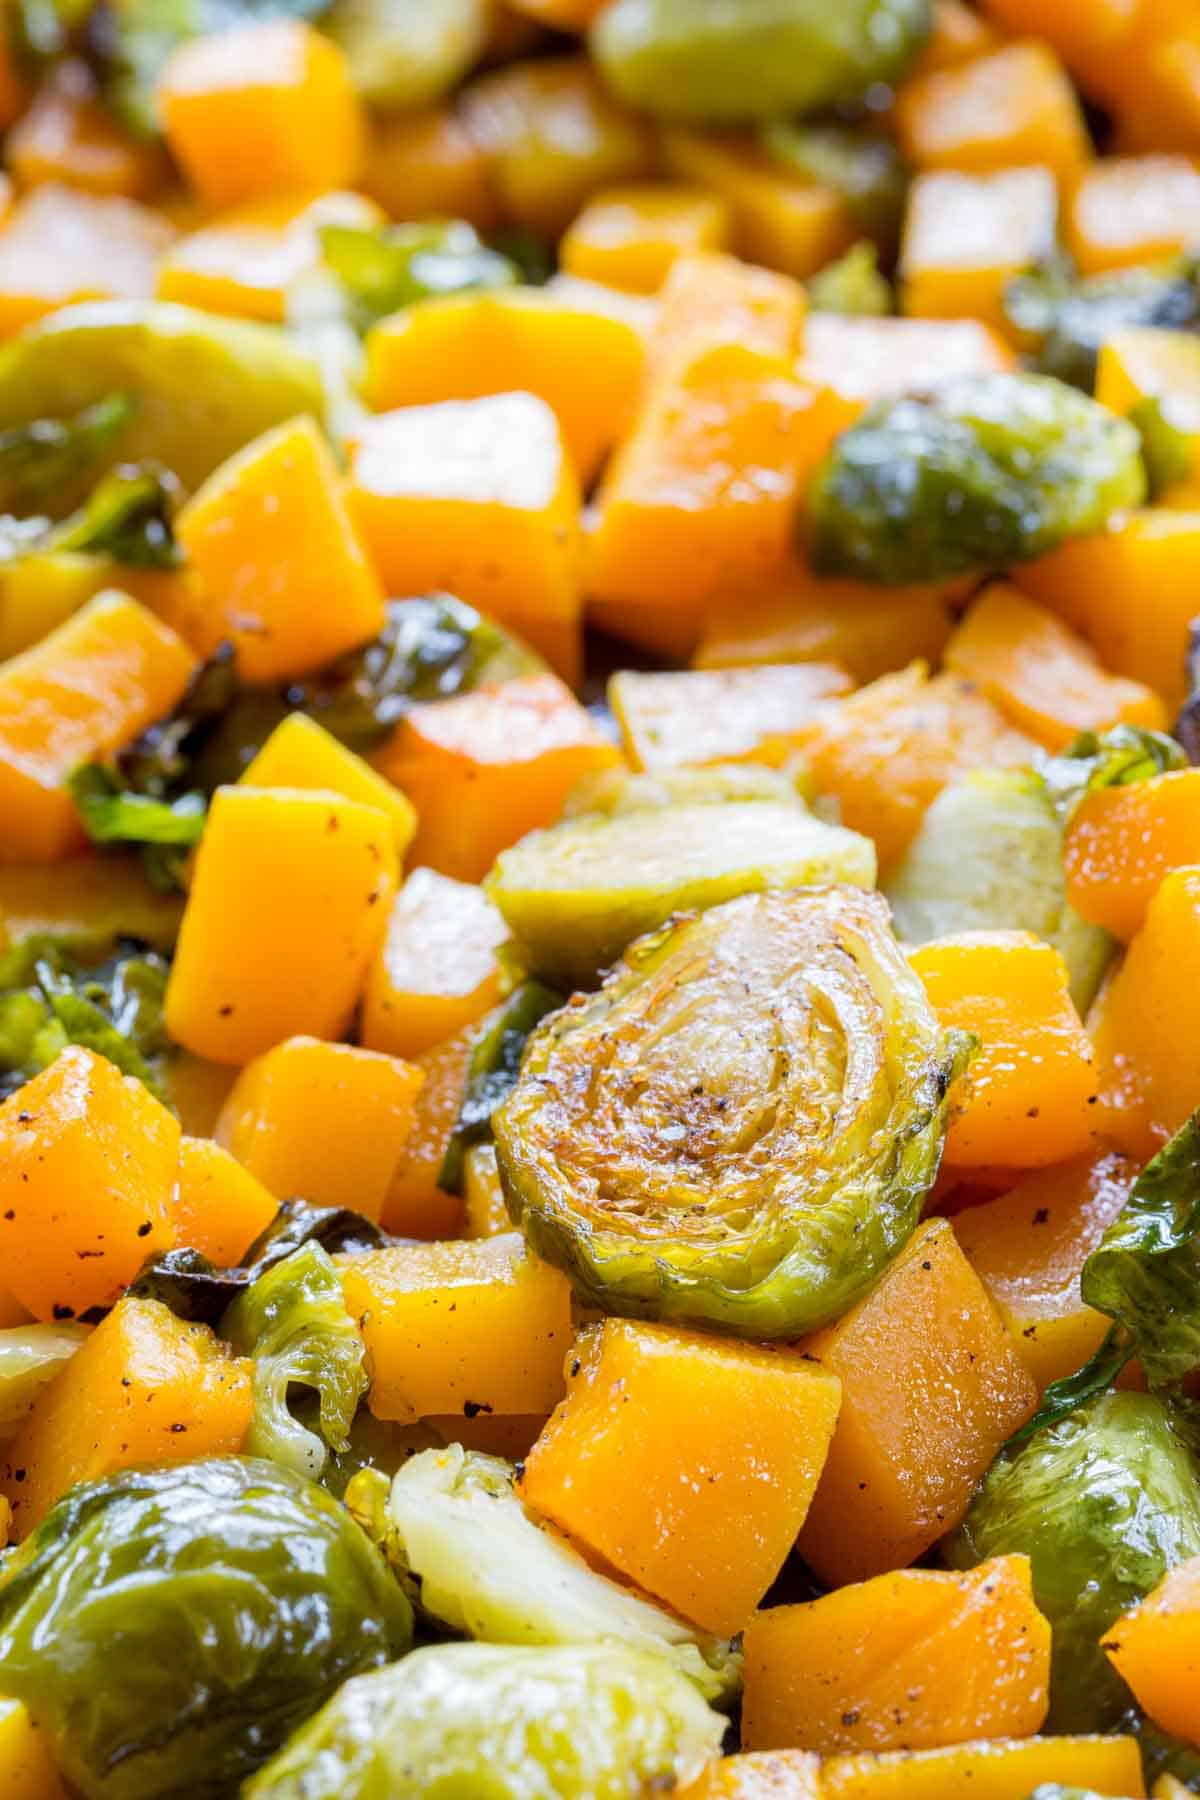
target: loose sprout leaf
1166 446
864 168
48 1000
293 1321
127 517
1070 317
1119 757
41 460
1145 1271
30 1356
1187 725
113 814
389 268
1070 1392
853 284
492 1072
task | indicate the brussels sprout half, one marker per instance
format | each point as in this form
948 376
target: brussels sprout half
740 1127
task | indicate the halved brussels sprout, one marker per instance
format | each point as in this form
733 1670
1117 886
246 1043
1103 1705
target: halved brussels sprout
575 895
713 61
1103 1503
981 471
620 790
30 1356
404 55
168 1627
988 857
589 1722
487 1569
740 1127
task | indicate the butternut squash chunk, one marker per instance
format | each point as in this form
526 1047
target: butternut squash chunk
967 236
1156 1649
777 1775
436 970
220 1207
1089 35
631 237
1013 108
415 1205
58 245
709 299
1003 1770
780 219
425 164
1133 209
483 1194
301 754
27 1768
1121 843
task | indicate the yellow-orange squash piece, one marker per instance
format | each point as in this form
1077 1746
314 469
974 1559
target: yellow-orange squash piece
300 753
259 109
436 969
146 1387
701 1515
911 1660
58 245
586 365
1045 679
486 1212
288 902
1145 364
69 135
27 1768
630 237
674 718
774 1775
220 1207
87 689
1133 209
280 572
323 1121
967 236
1089 35
780 218
887 751
87 1172
425 164
416 1206
710 299
486 767
1121 843
931 1387
1028 1247
460 1328
1028 1096
1014 108
1156 1649
1005 1769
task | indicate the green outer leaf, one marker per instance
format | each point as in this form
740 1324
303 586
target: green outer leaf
1119 757
852 285
113 814
1166 447
48 1000
127 517
39 460
1070 317
387 269
492 1072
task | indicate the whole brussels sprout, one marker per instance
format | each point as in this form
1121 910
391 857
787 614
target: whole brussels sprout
1068 318
168 1627
740 1127
592 1722
403 55
1103 1503
712 61
981 471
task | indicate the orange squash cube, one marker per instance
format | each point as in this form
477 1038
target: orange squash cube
932 1385
280 572
1027 1098
1048 682
323 1121
1028 1247
1148 1066
848 362
26 1766
460 1328
1133 209
87 1171
416 1206
1121 843
261 108
586 365
780 218
220 1207
479 498
1155 1647
144 1388
425 164
709 299
300 753
563 15
486 767
967 236
777 1775
288 902
887 751
436 970
58 245
1013 108
486 1211
1088 34
1006 1769
87 689
69 135
631 237
910 1660
675 719
703 1515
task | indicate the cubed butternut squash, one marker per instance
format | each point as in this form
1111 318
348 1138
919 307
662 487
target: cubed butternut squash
703 1515
1007 1769
709 299
860 360
586 365
932 1385
146 1387
1014 108
671 719
1028 1247
911 1660
288 902
967 236
68 135
280 571
301 754
1156 1648
27 1768
87 1172
1029 1095
486 1212
425 164
323 1121
436 969
780 219
631 237
1162 367
1045 679
774 1775
1121 843
1089 34
487 767
460 1328
1133 209
219 1207
261 108
59 245
86 690
415 1205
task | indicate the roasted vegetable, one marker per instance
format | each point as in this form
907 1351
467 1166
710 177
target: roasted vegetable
979 472
1068 318
863 167
740 1127
237 1598
1116 758
483 1566
30 1356
852 285
402 55
1103 1503
44 460
492 1072
382 271
294 1323
700 59
48 999
593 1722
